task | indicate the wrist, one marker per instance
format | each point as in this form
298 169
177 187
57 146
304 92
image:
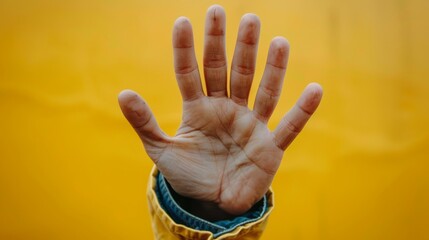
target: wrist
178 221
203 209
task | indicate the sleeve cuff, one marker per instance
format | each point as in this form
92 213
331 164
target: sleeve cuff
181 216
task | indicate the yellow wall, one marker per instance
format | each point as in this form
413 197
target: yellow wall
72 168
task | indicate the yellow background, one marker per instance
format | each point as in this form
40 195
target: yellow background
72 168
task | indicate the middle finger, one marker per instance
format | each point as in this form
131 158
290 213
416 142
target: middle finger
215 67
243 62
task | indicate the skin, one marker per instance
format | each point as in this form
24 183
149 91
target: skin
223 158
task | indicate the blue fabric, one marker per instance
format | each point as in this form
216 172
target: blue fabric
181 216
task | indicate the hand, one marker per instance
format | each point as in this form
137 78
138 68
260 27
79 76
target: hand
223 152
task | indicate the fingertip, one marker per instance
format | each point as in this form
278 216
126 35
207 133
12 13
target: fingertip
251 21
249 29
215 21
250 18
280 39
130 101
316 89
311 97
216 10
279 52
280 43
139 115
182 22
126 95
182 33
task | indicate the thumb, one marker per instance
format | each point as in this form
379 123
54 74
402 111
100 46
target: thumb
142 120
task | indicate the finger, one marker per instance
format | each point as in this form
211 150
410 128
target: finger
215 67
243 62
141 118
293 122
185 63
272 79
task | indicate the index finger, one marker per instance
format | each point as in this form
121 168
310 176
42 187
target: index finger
185 63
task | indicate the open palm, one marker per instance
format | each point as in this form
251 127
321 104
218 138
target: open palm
223 152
